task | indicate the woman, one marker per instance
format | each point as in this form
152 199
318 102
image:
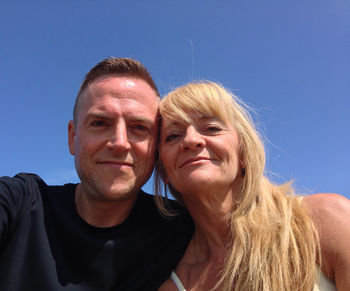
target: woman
250 234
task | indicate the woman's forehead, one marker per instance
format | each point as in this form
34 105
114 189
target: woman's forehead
189 118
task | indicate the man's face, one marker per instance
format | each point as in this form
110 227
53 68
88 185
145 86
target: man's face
114 138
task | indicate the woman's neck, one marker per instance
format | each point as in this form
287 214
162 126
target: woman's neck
210 214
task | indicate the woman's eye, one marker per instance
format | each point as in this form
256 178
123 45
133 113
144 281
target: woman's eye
171 137
213 128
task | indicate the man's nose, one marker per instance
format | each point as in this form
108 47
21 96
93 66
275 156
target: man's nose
119 140
192 139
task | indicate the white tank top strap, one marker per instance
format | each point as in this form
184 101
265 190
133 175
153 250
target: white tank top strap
324 283
177 281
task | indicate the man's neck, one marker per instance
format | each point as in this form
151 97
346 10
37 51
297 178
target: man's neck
102 213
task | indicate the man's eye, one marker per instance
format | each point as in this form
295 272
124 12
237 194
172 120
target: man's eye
98 123
140 127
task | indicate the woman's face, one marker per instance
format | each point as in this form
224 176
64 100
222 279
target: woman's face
200 155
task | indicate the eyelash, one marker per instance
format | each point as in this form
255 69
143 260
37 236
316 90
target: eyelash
140 127
211 129
98 123
171 137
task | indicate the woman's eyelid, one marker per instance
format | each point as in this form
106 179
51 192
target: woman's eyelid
172 134
214 126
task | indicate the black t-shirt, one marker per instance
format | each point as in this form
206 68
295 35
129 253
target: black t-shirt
45 245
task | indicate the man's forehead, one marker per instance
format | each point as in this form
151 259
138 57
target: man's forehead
122 87
105 98
124 82
104 79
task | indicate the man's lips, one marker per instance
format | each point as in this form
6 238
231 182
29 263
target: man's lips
115 163
189 161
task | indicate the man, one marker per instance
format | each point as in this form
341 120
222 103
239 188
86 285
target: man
105 233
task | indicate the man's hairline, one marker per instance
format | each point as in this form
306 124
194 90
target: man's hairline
116 75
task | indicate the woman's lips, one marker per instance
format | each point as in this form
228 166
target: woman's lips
192 160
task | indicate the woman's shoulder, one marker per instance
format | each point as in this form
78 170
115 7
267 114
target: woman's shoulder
326 201
327 209
331 214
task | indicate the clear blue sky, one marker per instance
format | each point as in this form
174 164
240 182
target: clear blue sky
289 60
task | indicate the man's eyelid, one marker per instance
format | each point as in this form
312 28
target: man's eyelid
98 116
99 123
146 126
141 126
142 121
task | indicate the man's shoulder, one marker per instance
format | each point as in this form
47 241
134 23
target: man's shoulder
20 178
18 196
20 184
28 188
23 181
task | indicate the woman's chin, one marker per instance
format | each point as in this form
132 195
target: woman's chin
197 183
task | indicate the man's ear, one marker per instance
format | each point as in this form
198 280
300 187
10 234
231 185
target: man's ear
71 136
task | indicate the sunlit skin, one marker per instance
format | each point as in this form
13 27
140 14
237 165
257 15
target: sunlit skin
201 160
201 156
114 143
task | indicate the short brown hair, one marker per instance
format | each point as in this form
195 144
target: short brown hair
114 66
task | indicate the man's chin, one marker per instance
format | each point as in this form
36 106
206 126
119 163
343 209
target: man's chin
120 191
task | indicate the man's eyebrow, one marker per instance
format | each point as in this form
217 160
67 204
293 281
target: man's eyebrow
130 118
142 119
98 114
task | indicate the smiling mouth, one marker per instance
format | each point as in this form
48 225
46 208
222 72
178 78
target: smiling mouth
191 161
115 163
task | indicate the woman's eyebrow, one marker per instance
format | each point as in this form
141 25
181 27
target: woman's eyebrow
173 125
204 117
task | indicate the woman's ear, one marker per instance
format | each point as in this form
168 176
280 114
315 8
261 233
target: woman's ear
242 165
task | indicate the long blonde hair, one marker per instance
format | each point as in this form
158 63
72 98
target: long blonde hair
274 242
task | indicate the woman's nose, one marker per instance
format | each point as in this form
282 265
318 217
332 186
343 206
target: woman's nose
192 139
